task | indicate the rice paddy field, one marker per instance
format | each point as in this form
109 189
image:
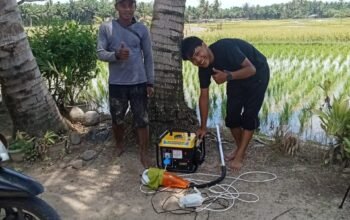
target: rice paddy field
303 55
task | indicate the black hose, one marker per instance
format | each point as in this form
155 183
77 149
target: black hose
212 183
346 194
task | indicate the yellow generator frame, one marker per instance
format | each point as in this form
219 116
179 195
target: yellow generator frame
180 151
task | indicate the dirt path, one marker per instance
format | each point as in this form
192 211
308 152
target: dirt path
108 187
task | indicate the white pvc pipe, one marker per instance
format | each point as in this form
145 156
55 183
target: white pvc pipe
220 146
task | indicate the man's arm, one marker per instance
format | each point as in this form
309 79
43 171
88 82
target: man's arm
203 109
247 70
102 44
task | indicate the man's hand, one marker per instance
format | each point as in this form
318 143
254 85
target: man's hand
219 76
201 132
150 91
123 52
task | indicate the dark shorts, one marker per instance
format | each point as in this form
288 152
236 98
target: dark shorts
120 96
244 100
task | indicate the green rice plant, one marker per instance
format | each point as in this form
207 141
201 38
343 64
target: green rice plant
223 109
264 112
298 60
285 114
304 116
326 86
335 121
346 91
336 118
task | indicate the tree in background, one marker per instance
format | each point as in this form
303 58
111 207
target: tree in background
216 9
23 90
92 11
203 8
144 12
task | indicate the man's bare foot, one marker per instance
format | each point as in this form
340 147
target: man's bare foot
236 164
231 155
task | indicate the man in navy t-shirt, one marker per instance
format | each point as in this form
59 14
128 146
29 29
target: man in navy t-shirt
247 74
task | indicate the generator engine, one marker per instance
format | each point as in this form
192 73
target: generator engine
180 151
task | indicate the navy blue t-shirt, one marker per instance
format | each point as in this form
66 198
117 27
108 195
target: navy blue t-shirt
229 55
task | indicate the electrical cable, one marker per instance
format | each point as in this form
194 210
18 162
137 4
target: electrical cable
177 211
229 192
220 192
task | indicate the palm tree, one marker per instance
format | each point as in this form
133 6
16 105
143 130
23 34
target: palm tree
168 105
23 90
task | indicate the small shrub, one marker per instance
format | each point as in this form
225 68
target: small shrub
40 149
66 55
335 121
22 141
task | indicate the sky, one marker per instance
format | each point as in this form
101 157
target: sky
231 3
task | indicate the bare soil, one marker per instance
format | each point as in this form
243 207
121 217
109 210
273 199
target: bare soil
108 187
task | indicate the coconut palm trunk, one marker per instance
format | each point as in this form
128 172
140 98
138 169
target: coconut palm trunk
168 105
23 90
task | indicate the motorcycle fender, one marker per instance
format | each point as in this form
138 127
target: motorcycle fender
13 183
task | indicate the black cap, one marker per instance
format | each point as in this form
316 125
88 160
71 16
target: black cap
188 45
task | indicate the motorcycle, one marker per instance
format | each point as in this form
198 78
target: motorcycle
18 194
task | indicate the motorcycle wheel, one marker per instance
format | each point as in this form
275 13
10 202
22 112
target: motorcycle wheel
31 208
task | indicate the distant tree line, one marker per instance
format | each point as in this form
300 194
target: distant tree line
83 11
292 9
95 11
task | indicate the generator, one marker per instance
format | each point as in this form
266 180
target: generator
180 151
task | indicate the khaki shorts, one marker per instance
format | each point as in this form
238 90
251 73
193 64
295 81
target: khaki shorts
123 96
